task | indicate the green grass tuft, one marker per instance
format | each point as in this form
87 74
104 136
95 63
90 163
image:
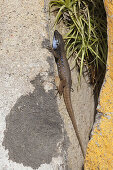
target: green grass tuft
86 39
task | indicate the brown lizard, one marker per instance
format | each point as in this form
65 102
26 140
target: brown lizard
65 78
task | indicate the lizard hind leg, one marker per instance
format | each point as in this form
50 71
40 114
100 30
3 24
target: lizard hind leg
72 90
61 87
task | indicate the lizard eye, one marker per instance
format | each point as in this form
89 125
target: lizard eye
57 42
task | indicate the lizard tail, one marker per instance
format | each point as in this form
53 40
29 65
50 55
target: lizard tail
67 100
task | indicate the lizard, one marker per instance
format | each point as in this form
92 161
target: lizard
64 74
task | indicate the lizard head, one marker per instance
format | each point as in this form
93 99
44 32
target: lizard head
57 40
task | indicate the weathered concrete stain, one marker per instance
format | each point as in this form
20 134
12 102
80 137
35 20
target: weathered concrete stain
23 27
100 148
33 127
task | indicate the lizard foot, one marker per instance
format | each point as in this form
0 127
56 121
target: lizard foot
72 90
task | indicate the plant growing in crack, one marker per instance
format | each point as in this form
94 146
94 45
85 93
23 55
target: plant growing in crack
86 37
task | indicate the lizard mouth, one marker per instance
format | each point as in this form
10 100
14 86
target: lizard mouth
55 42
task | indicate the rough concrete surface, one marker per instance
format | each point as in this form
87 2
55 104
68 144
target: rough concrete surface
30 124
35 129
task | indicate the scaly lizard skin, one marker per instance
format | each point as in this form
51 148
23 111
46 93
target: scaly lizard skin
65 78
